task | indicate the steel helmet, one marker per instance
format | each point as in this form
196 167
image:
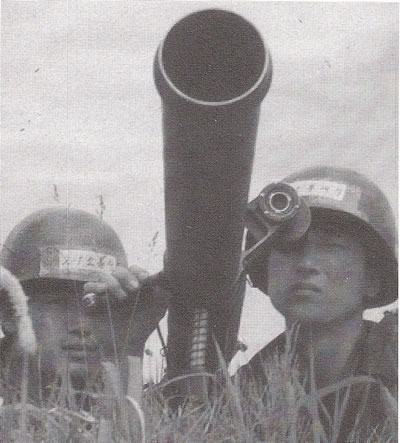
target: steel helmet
62 243
349 194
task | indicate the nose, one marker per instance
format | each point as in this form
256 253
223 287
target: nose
308 261
80 330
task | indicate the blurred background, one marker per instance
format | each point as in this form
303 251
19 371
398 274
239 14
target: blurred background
81 118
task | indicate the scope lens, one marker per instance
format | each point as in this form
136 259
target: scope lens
280 201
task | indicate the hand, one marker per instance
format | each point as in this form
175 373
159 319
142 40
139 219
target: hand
14 314
131 285
135 290
118 285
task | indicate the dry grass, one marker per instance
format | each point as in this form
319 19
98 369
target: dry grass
278 412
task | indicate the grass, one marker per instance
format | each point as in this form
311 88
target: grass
279 412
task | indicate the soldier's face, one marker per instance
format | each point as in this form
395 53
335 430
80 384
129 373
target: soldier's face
322 278
71 338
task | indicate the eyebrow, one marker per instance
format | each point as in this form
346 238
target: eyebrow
329 228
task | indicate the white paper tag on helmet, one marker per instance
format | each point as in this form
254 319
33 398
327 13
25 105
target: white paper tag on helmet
320 188
68 260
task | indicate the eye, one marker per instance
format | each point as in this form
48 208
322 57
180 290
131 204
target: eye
38 300
335 244
98 307
48 300
293 247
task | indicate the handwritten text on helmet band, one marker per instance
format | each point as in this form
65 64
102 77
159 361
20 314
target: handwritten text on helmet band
54 259
320 188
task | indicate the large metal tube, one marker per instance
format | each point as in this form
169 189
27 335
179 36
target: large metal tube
212 72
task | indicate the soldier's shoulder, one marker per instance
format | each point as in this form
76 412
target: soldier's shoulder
381 356
255 368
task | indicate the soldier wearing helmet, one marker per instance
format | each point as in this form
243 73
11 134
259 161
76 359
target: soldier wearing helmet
53 253
322 282
335 259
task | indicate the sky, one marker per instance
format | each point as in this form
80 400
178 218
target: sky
81 117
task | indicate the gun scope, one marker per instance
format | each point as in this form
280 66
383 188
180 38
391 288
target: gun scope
277 212
278 202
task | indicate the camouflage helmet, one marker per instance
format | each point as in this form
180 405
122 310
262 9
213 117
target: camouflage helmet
62 243
349 195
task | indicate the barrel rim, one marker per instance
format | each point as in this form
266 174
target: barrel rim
184 96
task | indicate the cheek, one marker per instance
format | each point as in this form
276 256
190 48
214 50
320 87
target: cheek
339 274
279 270
347 272
348 284
48 324
100 327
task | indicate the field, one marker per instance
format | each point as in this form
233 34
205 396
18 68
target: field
279 412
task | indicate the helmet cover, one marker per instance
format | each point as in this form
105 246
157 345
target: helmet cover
62 243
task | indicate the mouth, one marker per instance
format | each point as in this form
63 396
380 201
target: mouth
304 290
78 350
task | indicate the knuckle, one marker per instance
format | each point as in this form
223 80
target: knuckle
120 294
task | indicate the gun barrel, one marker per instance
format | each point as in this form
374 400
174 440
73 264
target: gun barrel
212 72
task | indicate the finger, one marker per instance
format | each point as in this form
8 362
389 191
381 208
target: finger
140 273
108 286
126 279
114 288
89 299
95 287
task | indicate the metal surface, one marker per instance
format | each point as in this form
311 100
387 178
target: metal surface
212 72
276 214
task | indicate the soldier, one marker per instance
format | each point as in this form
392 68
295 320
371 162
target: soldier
54 252
322 283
